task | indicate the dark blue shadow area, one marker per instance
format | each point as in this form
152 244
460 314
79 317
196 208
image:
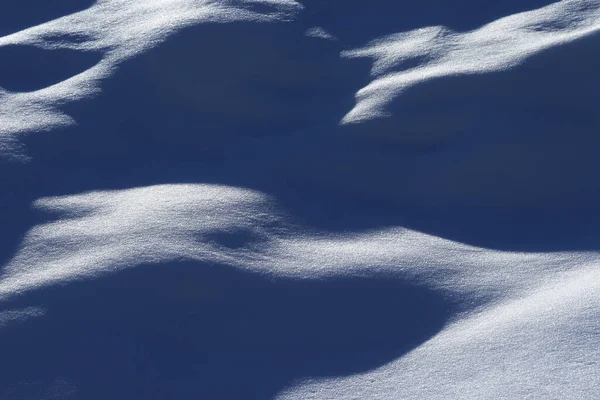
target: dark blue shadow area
188 331
208 89
16 15
27 68
356 22
20 186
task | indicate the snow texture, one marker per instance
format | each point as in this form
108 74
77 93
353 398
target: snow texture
312 199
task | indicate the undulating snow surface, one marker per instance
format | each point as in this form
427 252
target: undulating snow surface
321 199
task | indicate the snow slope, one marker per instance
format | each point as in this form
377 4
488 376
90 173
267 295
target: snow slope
260 199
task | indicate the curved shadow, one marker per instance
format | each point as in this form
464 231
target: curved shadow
192 95
186 330
16 15
27 68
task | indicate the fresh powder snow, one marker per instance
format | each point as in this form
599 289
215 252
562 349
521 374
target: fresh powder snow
311 199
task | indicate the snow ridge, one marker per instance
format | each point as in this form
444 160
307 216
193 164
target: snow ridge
230 199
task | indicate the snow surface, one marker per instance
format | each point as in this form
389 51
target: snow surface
322 199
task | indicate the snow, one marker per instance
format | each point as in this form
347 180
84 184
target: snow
497 46
271 199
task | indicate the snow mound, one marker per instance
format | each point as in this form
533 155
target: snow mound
134 230
231 199
472 119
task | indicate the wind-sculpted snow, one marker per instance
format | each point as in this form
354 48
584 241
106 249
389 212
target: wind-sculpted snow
436 52
260 199
181 239
215 269
492 354
102 231
475 114
120 29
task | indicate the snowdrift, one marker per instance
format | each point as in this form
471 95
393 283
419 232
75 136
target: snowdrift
268 199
